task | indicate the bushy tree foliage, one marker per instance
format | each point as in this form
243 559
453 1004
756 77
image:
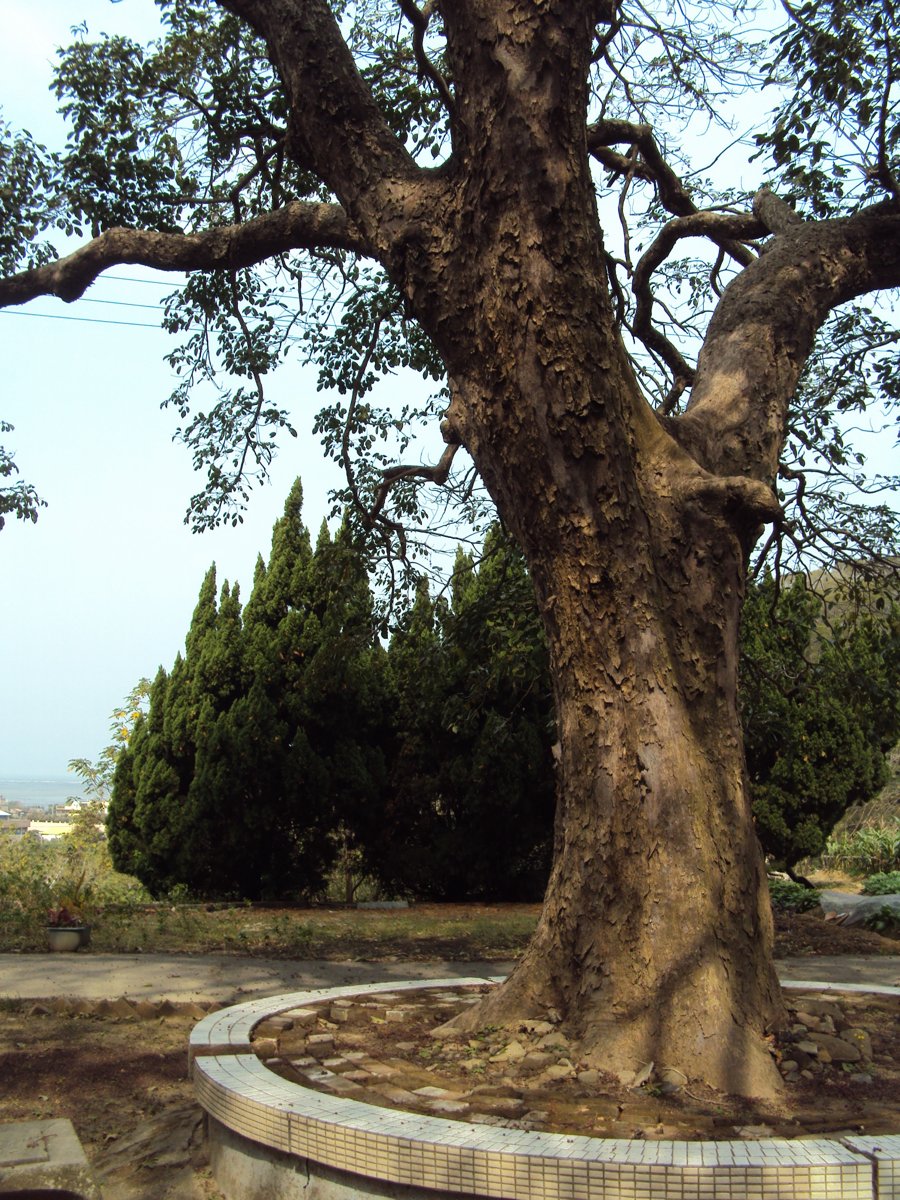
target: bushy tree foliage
468 813
820 713
263 734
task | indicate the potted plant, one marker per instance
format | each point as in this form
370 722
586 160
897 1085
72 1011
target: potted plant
66 928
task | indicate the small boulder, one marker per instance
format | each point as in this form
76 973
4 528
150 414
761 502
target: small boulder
514 1052
265 1048
837 1049
537 1028
554 1041
860 1039
560 1070
538 1058
819 1008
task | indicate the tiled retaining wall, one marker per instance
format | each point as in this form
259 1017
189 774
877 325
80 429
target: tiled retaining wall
432 1154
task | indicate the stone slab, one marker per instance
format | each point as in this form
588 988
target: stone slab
19 1145
46 1158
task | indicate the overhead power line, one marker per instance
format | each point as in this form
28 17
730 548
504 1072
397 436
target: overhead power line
152 282
18 312
15 312
121 303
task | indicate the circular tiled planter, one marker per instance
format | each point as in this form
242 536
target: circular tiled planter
275 1139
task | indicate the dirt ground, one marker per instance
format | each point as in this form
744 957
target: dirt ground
122 1082
122 1078
800 934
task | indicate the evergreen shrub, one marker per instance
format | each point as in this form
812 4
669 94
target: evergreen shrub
885 883
792 897
885 921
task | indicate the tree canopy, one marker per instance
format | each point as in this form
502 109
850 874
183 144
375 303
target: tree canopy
187 155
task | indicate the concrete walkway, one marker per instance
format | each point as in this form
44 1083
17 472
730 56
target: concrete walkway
228 979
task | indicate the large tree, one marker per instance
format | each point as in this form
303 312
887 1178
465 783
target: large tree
472 152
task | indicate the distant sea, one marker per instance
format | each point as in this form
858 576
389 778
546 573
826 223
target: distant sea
37 791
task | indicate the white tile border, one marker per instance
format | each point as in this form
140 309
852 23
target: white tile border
425 1152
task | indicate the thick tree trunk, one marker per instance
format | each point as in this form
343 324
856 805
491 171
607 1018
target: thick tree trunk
654 945
655 942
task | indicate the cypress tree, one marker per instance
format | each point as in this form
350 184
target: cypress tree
265 733
144 812
341 701
471 779
212 813
818 715
161 841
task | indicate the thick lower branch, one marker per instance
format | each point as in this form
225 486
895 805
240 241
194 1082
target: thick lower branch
335 122
764 329
296 226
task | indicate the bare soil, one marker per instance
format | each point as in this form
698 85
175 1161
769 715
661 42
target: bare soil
121 1078
798 935
122 1082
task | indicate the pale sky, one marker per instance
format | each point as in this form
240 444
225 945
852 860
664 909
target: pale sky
100 591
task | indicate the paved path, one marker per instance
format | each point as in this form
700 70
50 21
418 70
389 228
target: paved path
226 979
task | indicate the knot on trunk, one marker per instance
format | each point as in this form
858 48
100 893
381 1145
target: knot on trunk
737 498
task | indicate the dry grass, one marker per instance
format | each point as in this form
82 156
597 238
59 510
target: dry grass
426 931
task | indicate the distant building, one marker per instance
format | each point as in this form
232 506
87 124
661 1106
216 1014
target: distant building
49 831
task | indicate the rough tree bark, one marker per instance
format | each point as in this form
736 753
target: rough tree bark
655 942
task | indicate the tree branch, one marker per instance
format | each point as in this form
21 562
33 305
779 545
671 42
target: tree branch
885 175
326 93
798 20
427 70
653 168
435 474
721 228
247 448
763 332
776 214
296 226
603 134
727 232
374 515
